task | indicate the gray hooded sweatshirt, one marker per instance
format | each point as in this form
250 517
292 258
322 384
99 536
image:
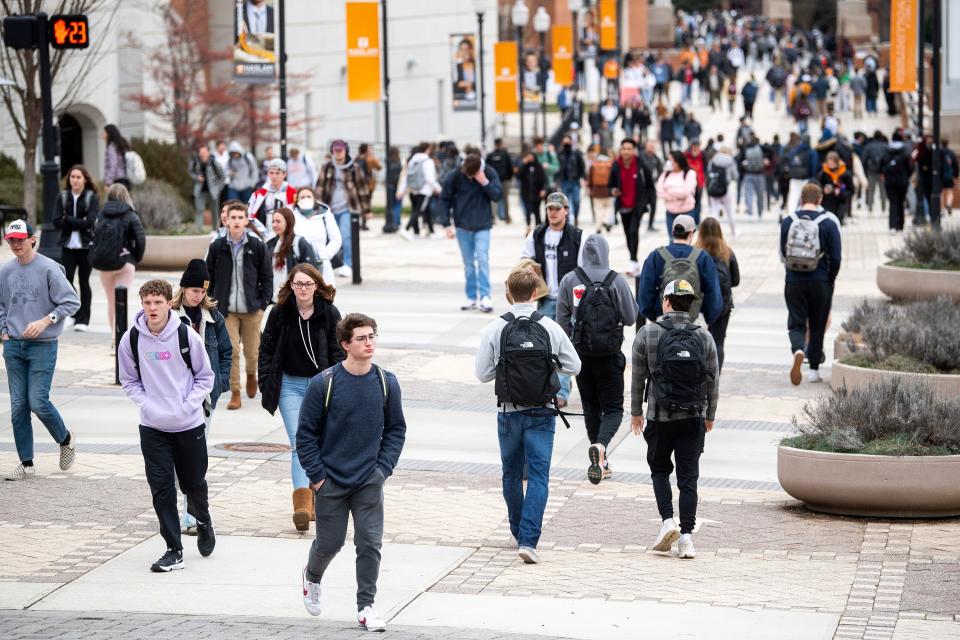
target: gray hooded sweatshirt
595 256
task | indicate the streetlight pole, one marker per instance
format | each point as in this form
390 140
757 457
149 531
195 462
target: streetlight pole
937 150
541 24
921 10
519 15
481 88
49 168
282 29
575 7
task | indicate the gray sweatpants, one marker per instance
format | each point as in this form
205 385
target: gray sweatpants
874 183
754 186
333 503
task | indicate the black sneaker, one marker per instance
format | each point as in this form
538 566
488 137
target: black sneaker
170 561
595 470
206 539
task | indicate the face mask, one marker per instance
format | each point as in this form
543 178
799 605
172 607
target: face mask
567 147
305 204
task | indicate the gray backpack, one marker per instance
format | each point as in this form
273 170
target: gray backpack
803 251
684 268
415 177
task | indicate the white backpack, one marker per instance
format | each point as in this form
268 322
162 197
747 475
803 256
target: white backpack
803 251
133 163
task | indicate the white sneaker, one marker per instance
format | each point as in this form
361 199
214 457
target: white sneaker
469 305
814 376
68 453
406 234
81 327
311 595
368 619
796 376
345 272
528 555
22 472
486 304
669 533
685 548
633 270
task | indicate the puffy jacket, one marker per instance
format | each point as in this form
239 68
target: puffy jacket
257 277
134 240
83 219
677 190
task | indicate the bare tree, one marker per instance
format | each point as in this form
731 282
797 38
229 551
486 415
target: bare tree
23 102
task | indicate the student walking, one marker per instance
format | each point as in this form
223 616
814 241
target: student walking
316 222
35 299
165 370
299 341
350 436
629 185
287 248
533 188
75 214
675 370
420 181
896 169
677 187
722 176
593 306
710 239
810 249
523 350
342 186
118 244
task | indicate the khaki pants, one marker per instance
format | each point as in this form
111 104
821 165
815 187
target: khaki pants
244 328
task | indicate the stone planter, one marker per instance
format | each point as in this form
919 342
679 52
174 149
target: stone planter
944 385
840 348
881 486
902 283
172 253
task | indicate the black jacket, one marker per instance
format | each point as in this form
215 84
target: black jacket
499 160
257 273
303 252
135 239
568 249
83 219
275 344
644 182
533 180
572 166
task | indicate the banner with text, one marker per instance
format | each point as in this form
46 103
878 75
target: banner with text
903 45
363 52
608 24
254 42
463 70
563 55
505 77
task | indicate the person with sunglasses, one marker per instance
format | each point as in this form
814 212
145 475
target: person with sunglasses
298 342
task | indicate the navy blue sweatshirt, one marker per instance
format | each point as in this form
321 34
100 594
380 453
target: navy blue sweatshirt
468 202
829 265
357 434
651 302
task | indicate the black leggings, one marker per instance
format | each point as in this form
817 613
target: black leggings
631 228
719 332
419 207
74 259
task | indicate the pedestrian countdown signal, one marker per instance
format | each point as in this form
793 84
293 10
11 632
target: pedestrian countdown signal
69 32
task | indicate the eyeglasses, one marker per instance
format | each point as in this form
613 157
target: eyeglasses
303 285
365 339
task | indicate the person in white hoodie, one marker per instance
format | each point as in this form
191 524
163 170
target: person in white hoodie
165 370
316 222
723 162
420 181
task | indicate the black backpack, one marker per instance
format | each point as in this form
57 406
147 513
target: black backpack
726 283
895 170
681 373
799 168
527 368
598 328
182 338
109 242
717 182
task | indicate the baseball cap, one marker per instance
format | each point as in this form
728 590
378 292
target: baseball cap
18 229
338 144
277 163
557 200
678 288
686 222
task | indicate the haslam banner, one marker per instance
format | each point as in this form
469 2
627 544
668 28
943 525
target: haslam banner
563 55
254 41
608 24
505 77
363 52
463 70
903 45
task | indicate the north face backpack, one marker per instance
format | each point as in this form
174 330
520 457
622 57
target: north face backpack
803 251
717 182
684 268
598 328
527 368
681 373
109 242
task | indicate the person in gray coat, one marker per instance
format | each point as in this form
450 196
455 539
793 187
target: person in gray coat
601 315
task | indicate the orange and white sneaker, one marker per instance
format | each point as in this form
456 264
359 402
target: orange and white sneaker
796 376
368 619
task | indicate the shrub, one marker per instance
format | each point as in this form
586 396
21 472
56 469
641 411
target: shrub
895 417
162 210
919 336
167 162
929 249
11 184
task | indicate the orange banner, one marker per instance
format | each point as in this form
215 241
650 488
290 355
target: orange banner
903 45
363 52
505 77
563 55
608 24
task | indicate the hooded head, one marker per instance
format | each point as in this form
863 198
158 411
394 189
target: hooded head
596 252
235 148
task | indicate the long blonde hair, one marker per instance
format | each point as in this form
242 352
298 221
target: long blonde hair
207 303
710 239
117 191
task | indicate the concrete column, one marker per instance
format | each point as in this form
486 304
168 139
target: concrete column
638 37
780 11
853 21
660 24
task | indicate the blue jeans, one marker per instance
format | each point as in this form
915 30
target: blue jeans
525 439
548 307
475 251
243 195
292 390
694 213
30 365
571 189
343 221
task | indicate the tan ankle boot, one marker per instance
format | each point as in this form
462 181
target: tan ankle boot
234 401
302 506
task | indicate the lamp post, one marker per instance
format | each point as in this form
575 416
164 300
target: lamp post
575 7
541 24
520 14
480 6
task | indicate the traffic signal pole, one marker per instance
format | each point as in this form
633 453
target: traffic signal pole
49 169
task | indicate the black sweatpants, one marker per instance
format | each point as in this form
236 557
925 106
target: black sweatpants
898 199
808 302
600 382
74 259
183 453
631 228
719 332
419 208
652 199
684 440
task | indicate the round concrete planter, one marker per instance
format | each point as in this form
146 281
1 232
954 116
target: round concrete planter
861 485
902 283
840 348
944 385
173 252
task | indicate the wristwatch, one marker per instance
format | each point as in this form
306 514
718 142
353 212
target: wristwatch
53 318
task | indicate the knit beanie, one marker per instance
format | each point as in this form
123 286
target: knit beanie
196 275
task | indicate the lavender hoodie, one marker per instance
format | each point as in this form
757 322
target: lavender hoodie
170 397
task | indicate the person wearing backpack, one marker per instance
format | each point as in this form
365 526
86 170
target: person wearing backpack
675 370
287 248
810 249
208 182
350 436
710 239
114 157
896 170
500 161
802 167
749 93
118 244
299 341
593 306
722 176
754 176
874 153
599 167
75 214
680 260
165 370
837 184
523 351
421 183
